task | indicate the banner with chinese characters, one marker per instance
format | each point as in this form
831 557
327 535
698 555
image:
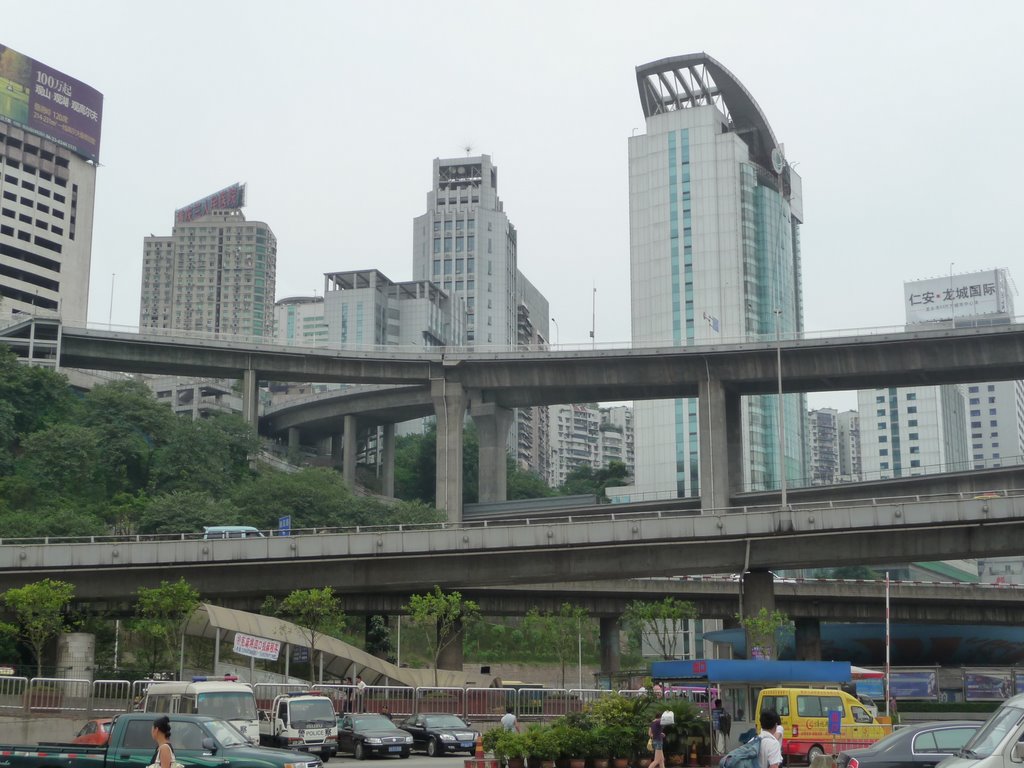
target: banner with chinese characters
259 647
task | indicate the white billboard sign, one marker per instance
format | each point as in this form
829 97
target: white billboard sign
258 647
957 296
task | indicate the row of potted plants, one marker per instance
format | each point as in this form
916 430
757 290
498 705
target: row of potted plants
612 728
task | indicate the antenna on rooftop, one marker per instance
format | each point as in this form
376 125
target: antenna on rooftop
469 149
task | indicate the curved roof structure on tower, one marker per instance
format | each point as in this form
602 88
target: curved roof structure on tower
695 80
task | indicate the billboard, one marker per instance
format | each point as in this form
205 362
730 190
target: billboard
957 296
913 684
990 685
48 102
227 199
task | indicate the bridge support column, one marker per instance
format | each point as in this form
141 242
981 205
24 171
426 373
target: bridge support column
758 593
450 408
348 451
451 656
250 397
808 640
721 443
610 651
293 438
492 425
387 467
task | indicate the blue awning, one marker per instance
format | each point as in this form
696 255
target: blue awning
742 671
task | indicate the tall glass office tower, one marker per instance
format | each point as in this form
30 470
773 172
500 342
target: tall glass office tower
715 212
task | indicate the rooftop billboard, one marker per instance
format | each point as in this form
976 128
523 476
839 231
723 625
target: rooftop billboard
48 102
229 198
957 296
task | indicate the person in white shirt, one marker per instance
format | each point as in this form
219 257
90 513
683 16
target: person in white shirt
770 755
780 734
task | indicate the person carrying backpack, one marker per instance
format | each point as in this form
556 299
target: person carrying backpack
770 753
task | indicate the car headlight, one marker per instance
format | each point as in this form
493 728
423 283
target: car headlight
447 737
408 739
373 740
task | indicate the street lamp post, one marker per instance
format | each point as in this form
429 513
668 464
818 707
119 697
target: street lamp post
556 331
782 407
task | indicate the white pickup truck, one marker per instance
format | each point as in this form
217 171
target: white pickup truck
304 720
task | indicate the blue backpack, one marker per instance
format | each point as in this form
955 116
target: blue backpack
744 756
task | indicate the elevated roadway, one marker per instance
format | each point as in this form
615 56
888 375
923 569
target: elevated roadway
411 558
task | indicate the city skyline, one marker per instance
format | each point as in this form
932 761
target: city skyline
556 124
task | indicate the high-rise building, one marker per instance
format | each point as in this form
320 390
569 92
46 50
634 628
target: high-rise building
465 244
923 430
714 216
216 273
823 446
49 148
848 442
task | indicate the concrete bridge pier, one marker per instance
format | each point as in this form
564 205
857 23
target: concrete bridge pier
808 639
611 656
758 592
294 440
492 425
721 443
450 403
348 450
250 397
451 656
387 466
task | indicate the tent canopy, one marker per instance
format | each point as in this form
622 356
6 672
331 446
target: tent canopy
340 659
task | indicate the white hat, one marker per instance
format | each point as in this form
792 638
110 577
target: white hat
668 717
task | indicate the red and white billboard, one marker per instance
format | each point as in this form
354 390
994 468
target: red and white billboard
44 100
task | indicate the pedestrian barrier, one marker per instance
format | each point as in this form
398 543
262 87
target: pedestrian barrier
110 697
265 693
12 693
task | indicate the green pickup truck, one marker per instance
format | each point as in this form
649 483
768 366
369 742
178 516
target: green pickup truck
197 740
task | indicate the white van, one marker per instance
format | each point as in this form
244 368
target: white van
218 697
999 743
231 532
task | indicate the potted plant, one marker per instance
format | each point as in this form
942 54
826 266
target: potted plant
599 746
509 746
572 744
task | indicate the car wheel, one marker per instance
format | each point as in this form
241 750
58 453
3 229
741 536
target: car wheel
814 752
359 753
433 748
325 756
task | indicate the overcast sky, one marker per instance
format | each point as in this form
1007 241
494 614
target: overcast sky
903 117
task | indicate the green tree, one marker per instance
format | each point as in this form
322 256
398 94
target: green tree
378 638
313 497
37 397
586 480
206 455
525 485
161 615
132 425
40 609
764 630
447 612
662 622
561 632
316 612
62 461
185 511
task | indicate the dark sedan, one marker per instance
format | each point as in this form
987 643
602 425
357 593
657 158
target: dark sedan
440 733
921 745
364 735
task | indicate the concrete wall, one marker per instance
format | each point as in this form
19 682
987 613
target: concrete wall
32 730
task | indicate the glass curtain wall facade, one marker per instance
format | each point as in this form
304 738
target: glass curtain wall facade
714 258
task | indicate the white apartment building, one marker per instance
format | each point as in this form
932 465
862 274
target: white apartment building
215 273
588 435
823 446
300 320
848 442
715 212
365 308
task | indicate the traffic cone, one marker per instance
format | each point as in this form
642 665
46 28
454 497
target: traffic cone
479 747
693 753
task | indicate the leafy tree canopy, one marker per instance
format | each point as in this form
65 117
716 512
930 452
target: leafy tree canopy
40 611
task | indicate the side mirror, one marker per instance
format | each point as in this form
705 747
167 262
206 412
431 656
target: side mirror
209 744
1017 755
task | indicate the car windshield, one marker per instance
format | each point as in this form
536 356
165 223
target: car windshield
311 710
443 721
993 732
371 722
105 726
226 734
228 705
